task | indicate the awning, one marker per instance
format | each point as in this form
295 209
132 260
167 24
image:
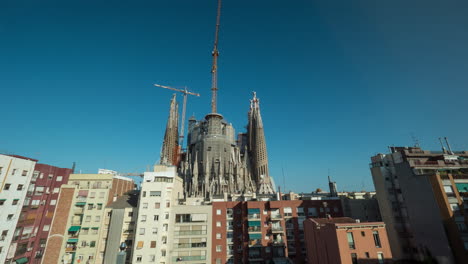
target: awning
2 199
94 227
80 203
253 210
254 223
72 240
255 236
462 187
15 199
22 260
74 228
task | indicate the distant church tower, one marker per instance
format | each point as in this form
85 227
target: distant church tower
170 149
257 148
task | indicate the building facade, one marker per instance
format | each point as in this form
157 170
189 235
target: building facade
38 209
361 205
417 191
15 175
119 221
265 231
77 231
344 240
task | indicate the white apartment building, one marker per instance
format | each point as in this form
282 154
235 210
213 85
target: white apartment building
15 176
160 191
168 231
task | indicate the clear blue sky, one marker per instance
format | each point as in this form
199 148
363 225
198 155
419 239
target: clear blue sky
339 81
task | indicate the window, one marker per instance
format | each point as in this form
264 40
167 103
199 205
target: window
218 212
139 258
367 255
88 218
312 211
218 261
97 219
142 231
153 244
92 194
351 241
46 228
102 194
164 239
300 211
152 258
157 205
90 206
2 201
287 211
380 258
377 239
354 257
219 248
84 231
155 193
218 224
9 217
143 218
13 172
20 187
144 194
83 243
56 190
95 230
218 235
154 230
363 233
51 176
163 252
166 216
7 187
25 173
92 244
59 178
168 204
145 205
15 201
53 202
130 214
156 217
99 206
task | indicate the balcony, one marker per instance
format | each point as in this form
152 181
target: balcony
277 229
276 216
188 258
190 232
70 249
255 243
79 210
255 229
254 216
190 245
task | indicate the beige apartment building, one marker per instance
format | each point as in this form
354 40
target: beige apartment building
77 231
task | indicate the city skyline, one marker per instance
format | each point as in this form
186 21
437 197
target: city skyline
80 90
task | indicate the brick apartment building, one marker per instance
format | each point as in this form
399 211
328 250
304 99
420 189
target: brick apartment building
32 229
265 231
344 240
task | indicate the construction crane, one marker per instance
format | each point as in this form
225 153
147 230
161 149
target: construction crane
214 68
184 92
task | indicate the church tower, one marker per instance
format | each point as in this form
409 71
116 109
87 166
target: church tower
257 148
170 149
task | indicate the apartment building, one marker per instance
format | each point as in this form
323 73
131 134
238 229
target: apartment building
15 175
77 231
159 192
265 231
37 211
418 191
344 240
360 205
119 227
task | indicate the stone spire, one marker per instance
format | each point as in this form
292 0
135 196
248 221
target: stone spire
257 148
170 149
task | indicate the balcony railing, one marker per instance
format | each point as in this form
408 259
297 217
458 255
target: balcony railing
70 249
190 245
188 258
277 229
254 216
255 229
276 216
190 232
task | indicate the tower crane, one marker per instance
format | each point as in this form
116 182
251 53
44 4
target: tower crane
185 92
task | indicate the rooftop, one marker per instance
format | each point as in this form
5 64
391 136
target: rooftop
125 201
